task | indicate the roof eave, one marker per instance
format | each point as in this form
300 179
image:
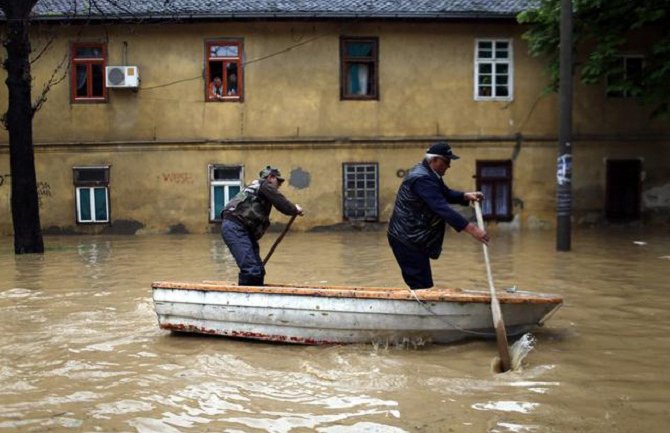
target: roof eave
279 16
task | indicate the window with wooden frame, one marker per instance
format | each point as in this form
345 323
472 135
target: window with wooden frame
360 191
87 71
359 71
91 194
225 181
624 80
493 69
494 179
224 78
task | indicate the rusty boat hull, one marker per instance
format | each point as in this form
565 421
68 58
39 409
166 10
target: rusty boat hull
339 315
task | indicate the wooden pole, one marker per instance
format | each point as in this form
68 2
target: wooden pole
564 161
281 236
501 334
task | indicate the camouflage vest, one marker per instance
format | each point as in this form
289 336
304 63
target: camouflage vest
251 209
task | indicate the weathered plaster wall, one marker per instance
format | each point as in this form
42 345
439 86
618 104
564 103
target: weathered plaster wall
291 84
160 138
162 189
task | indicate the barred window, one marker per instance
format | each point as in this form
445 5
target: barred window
360 188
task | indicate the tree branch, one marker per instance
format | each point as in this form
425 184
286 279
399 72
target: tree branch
57 76
43 50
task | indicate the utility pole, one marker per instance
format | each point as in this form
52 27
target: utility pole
564 161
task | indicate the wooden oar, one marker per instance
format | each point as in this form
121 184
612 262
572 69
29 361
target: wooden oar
498 322
281 236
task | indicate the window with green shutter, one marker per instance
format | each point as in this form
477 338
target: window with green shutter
225 181
91 194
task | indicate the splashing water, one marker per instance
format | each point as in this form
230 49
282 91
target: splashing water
521 348
517 353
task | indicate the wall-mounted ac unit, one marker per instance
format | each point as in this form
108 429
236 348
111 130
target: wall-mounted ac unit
122 76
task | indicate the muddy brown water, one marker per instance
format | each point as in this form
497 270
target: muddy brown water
80 349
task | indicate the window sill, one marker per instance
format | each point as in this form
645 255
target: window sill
492 98
89 100
359 98
226 99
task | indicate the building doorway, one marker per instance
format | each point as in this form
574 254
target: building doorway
622 202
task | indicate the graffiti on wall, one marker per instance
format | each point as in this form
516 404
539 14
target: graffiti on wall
43 188
43 191
176 177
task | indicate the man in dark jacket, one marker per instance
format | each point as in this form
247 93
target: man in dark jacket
421 212
245 219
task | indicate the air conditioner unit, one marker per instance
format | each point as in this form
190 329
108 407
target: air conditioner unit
122 76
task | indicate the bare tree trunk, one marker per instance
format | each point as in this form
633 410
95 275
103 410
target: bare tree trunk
19 123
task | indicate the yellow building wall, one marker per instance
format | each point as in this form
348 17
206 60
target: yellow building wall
291 85
160 138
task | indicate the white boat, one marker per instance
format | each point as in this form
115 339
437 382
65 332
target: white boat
336 315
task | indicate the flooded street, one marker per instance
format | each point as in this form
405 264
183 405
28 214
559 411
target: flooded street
81 350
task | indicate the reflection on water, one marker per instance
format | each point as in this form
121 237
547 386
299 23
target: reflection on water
81 349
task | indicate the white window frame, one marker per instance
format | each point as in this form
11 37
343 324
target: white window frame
92 204
91 186
493 61
226 184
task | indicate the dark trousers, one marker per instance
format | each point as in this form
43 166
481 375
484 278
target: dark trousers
244 248
414 265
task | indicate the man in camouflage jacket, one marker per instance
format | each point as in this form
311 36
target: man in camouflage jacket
246 218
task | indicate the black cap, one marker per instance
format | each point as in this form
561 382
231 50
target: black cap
441 148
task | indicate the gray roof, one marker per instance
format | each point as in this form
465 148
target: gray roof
277 9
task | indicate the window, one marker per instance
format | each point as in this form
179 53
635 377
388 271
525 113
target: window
87 70
224 184
358 76
494 179
360 191
625 79
623 190
224 67
92 194
493 69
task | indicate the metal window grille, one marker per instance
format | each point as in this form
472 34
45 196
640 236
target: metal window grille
361 191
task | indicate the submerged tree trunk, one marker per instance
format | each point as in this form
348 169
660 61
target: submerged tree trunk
19 123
